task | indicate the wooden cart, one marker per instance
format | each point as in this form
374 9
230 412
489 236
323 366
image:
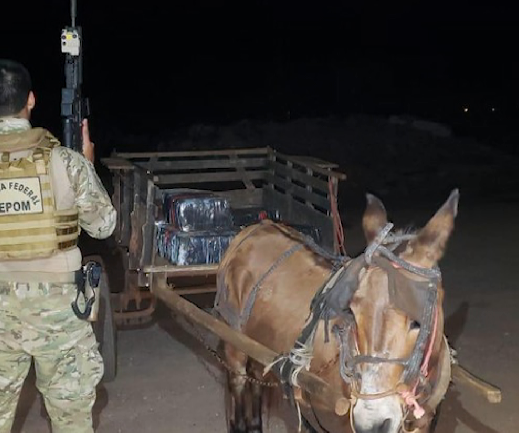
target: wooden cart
301 190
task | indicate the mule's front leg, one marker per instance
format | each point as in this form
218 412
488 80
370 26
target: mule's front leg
256 420
236 401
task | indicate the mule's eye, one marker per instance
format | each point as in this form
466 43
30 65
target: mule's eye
414 325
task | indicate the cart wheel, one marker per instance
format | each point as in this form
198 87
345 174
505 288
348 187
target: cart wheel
104 328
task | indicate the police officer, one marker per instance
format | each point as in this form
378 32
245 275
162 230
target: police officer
47 193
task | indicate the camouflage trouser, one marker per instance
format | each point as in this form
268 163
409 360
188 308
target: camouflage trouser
37 322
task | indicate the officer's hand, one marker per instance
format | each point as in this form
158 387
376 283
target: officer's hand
88 146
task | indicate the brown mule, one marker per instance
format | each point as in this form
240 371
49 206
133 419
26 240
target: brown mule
371 327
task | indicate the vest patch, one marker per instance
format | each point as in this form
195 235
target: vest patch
20 196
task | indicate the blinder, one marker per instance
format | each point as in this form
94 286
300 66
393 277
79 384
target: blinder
406 294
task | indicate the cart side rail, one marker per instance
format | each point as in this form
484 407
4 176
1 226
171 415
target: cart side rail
304 190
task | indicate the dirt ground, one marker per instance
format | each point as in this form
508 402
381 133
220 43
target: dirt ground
168 383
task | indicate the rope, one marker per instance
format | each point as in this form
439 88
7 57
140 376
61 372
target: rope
410 397
425 366
300 357
336 217
299 417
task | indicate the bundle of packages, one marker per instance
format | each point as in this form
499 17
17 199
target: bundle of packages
197 227
196 211
192 248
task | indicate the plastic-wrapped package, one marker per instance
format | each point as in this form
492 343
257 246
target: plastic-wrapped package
196 211
192 248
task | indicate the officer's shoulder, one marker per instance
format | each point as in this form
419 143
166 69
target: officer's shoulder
50 139
68 156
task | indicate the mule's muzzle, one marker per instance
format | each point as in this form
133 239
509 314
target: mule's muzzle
385 427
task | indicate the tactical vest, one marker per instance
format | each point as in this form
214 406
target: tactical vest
30 225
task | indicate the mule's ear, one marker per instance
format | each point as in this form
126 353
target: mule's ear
375 217
428 247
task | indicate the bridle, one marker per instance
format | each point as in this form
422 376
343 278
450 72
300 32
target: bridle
416 366
407 389
333 301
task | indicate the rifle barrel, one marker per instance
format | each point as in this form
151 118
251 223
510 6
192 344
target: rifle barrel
73 12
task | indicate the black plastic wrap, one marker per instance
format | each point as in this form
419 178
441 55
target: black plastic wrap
197 226
192 248
191 212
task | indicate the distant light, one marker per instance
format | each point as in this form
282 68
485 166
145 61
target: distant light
465 109
493 109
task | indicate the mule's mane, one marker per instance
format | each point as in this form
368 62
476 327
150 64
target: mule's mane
409 230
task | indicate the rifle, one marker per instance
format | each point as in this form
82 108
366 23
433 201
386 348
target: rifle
74 107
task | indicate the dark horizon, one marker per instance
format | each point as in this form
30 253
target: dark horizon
219 62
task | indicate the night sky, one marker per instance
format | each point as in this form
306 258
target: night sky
177 63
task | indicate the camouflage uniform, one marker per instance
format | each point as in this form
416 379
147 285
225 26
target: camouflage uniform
36 319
